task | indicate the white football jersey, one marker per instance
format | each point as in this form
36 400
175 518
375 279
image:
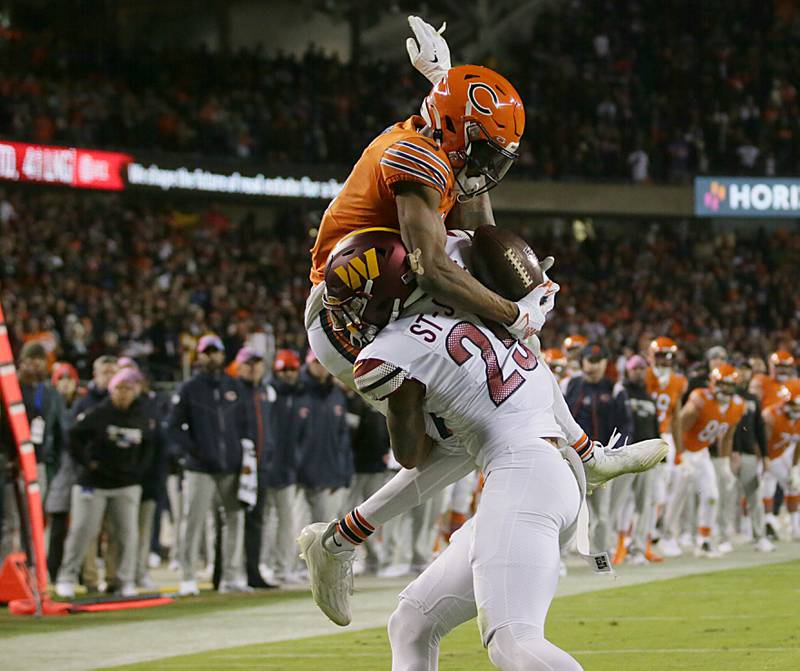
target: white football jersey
487 388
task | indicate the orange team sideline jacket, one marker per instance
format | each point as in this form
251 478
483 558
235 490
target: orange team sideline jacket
713 421
665 396
399 154
784 432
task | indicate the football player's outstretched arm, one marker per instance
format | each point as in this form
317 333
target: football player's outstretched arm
437 275
689 414
405 419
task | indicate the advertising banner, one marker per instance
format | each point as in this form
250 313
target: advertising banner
747 197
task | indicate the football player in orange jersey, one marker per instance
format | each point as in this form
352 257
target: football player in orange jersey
783 434
709 415
782 367
666 387
422 176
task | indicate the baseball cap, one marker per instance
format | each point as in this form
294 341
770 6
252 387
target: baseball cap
127 362
716 352
209 341
129 375
594 352
635 361
61 369
286 359
247 354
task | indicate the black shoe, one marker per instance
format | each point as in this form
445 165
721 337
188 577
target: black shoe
770 532
260 583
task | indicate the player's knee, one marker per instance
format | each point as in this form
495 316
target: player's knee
410 627
524 648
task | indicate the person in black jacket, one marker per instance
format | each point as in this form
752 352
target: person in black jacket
638 486
599 406
749 458
208 422
45 410
60 495
113 446
326 460
258 399
277 466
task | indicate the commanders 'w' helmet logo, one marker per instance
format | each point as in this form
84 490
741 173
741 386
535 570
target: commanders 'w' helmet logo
358 268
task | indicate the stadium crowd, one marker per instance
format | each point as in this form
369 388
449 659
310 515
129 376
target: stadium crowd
96 274
661 92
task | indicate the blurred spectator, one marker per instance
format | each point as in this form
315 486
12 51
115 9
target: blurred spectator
599 406
277 468
326 459
258 399
370 439
65 379
208 422
44 408
113 445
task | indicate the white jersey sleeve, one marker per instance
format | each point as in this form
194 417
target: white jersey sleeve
487 388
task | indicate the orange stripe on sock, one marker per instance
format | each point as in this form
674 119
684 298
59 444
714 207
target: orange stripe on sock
364 522
352 526
705 532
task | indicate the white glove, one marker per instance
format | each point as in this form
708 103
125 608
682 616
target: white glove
533 310
429 53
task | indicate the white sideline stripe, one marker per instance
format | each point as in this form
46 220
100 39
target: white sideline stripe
614 651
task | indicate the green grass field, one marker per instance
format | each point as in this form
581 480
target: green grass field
747 619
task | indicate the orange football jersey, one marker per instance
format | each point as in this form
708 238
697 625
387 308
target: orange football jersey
784 431
665 396
398 154
713 421
767 389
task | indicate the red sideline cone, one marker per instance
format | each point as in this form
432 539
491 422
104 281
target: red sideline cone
14 579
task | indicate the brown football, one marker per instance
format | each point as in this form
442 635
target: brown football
504 262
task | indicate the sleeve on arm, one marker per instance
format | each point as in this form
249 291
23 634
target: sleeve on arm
415 161
376 379
575 435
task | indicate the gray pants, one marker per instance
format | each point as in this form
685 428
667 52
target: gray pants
325 505
750 482
283 551
364 486
9 533
147 511
410 537
198 494
87 509
601 538
726 510
638 487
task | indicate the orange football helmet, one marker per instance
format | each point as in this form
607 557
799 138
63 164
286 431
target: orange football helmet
661 352
575 342
790 397
478 119
724 379
782 365
554 357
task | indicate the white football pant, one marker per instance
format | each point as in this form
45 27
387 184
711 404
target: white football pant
501 566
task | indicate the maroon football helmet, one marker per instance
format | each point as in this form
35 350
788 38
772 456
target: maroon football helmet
367 282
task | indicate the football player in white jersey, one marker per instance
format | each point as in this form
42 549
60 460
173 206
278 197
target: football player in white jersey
366 309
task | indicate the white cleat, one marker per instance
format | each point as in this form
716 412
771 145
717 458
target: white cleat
330 575
606 464
188 588
764 545
668 547
725 548
707 551
65 590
